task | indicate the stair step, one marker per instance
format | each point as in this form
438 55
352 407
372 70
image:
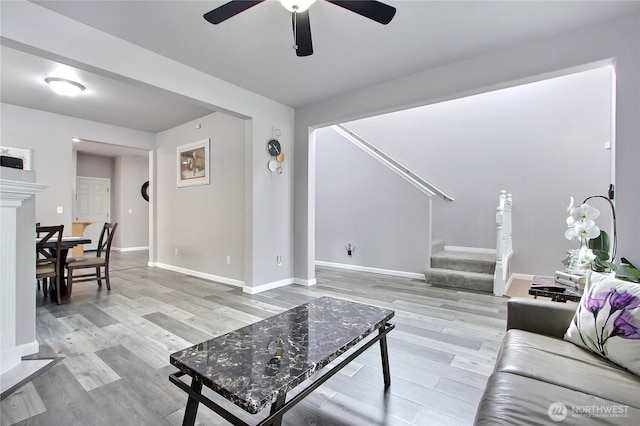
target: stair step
484 263
459 279
437 246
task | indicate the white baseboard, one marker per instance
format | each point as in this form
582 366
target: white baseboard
210 277
470 249
516 276
29 348
306 283
123 249
403 274
267 286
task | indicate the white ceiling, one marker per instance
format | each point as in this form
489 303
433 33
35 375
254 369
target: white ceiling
253 50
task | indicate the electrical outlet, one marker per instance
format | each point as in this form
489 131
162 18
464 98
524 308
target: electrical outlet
60 209
279 260
176 251
228 260
130 211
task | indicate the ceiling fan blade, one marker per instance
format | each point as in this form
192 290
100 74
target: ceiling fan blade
375 10
302 33
228 10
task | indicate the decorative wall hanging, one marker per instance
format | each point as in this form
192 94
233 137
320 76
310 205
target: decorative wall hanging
193 163
22 153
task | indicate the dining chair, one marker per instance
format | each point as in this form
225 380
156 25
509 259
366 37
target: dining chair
48 256
98 263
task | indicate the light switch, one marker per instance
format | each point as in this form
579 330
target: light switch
60 209
130 211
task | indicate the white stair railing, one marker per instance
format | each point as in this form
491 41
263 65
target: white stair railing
504 243
401 170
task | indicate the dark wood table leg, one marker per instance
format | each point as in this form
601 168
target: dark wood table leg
192 405
62 292
385 358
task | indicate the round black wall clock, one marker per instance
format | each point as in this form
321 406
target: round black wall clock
145 191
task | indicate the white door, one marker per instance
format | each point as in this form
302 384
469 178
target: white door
93 204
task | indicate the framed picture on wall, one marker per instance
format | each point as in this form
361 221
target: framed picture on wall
193 163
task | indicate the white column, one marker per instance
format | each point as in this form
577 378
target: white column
12 194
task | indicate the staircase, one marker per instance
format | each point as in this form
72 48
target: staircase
460 269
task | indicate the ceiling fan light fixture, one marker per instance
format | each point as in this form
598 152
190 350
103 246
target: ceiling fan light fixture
64 87
297 5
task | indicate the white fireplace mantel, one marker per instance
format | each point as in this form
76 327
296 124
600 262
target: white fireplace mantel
13 193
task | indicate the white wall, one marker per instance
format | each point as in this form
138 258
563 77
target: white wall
618 40
361 202
204 223
543 142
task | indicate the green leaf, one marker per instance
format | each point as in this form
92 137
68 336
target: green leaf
601 255
593 343
632 269
601 242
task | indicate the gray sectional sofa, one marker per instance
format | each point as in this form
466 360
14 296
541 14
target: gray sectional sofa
541 379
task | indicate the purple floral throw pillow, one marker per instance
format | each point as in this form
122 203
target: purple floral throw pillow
607 320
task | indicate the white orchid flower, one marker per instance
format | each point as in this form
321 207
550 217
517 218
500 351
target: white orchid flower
587 229
584 257
570 233
583 213
571 206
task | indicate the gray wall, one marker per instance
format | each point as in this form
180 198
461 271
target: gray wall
360 201
98 166
52 155
619 40
543 142
204 223
129 209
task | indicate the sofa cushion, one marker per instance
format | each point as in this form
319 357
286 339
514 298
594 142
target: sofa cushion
607 320
510 399
564 364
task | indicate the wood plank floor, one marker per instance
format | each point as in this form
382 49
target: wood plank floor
115 350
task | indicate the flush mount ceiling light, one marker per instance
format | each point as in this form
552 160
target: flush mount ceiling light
65 87
297 5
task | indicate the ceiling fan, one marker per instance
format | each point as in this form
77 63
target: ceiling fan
299 9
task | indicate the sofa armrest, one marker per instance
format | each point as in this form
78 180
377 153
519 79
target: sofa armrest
540 317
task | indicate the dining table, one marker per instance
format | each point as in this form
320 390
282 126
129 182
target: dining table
67 243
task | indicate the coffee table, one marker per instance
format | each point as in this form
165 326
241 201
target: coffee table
257 365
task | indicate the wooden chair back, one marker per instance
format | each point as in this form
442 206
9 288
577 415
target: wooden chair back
106 237
47 253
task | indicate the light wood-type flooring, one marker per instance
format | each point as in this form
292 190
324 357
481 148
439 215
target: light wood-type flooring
114 349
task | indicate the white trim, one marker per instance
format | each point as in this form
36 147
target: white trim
210 277
521 277
306 283
123 249
512 277
470 249
14 192
267 286
29 348
403 274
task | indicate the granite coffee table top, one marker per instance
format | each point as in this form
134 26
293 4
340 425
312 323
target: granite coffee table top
252 365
